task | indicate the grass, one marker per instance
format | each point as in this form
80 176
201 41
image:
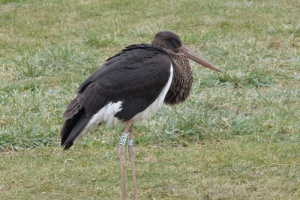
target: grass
205 171
236 137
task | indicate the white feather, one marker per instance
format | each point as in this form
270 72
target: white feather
107 113
104 115
153 108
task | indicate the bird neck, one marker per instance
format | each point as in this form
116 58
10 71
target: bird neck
158 44
182 76
182 79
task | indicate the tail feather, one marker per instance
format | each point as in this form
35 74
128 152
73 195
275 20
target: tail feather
73 108
73 128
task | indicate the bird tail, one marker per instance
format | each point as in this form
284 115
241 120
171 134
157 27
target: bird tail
73 128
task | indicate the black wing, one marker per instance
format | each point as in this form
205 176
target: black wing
136 76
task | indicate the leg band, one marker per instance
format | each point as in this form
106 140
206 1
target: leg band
123 139
130 142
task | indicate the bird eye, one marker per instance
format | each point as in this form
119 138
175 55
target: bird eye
174 42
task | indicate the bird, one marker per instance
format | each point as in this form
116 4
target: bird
130 87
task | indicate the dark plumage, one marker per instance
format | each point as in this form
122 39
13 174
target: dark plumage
131 86
121 78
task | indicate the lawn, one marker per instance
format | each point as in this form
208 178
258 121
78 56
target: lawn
236 137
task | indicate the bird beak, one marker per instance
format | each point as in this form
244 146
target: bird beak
191 55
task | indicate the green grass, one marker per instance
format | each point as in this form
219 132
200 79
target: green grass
244 170
236 137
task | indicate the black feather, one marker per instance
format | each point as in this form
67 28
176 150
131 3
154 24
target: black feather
72 128
136 76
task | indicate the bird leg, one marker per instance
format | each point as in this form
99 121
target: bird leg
122 161
131 152
122 156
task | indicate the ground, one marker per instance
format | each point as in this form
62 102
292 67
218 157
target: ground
236 137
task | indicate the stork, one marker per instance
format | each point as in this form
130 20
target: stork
129 87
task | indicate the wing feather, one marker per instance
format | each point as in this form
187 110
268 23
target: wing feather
136 76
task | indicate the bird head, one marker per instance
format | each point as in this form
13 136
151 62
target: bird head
172 42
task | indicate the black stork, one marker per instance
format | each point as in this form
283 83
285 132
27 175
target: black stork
129 87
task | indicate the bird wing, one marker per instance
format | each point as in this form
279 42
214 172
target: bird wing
136 76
